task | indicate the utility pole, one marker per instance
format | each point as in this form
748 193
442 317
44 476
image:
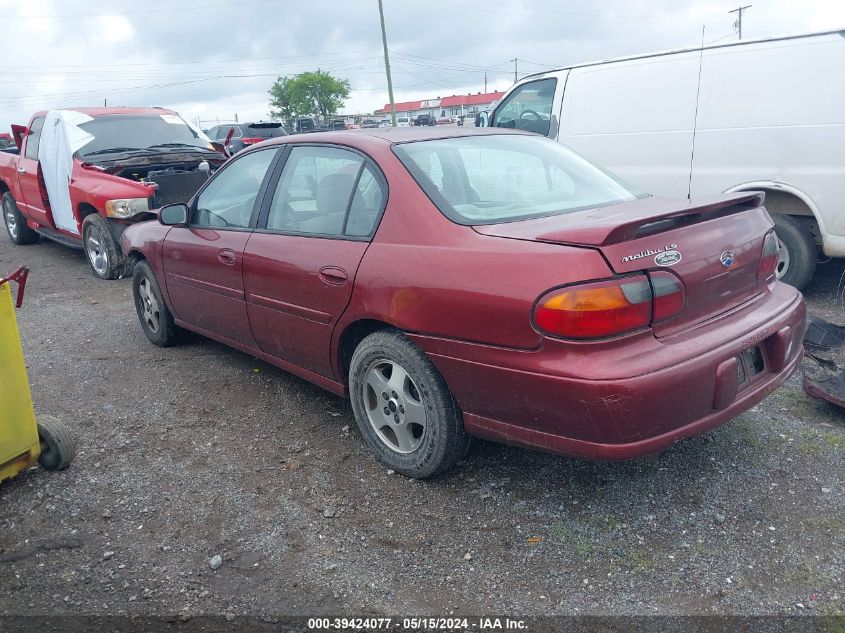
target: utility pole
739 11
387 66
515 70
485 83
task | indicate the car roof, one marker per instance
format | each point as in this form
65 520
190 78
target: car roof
95 112
393 135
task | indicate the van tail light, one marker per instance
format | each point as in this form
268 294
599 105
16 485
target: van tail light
248 140
596 310
769 259
669 295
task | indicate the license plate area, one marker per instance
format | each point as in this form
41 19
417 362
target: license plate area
750 364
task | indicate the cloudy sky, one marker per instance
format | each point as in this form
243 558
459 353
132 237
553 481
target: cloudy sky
212 59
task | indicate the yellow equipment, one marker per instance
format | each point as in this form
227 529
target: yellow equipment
23 440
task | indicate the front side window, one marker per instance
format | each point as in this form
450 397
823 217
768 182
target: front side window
529 107
228 200
501 178
33 138
326 191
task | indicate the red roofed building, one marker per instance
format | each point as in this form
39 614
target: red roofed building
456 105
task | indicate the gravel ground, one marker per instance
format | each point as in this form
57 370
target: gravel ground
200 451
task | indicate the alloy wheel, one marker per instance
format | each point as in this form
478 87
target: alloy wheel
394 406
11 220
96 250
783 260
150 311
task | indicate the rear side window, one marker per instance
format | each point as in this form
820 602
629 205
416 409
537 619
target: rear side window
33 138
326 191
529 107
504 177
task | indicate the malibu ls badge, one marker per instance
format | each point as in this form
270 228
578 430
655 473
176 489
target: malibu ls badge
666 255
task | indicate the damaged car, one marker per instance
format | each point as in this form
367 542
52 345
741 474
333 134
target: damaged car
83 175
456 282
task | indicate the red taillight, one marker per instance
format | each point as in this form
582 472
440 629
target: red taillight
247 140
596 310
669 295
769 259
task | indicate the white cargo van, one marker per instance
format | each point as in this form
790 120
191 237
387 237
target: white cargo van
765 115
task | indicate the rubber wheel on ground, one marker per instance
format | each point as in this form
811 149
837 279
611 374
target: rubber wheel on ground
57 446
404 408
104 256
15 223
153 313
797 251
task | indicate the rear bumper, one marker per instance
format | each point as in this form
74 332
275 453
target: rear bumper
549 399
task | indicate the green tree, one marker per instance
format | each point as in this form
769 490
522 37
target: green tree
314 93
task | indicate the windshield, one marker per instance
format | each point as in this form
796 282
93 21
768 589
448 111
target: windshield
500 178
126 132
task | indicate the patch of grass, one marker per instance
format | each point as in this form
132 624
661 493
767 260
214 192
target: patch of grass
638 559
827 524
795 401
816 442
581 547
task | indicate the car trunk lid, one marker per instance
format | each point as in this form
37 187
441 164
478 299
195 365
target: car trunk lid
714 245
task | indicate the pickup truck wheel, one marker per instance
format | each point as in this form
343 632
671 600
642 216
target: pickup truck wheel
104 256
16 226
797 251
404 408
153 313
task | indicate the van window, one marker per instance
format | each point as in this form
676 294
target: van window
529 107
33 138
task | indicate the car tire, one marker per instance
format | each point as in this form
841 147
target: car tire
101 249
797 251
15 223
57 446
153 313
403 407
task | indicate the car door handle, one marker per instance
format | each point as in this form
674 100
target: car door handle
333 275
21 170
226 256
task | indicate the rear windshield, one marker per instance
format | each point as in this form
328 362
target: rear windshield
139 131
264 130
500 178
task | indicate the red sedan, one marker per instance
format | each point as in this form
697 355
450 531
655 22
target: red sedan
456 282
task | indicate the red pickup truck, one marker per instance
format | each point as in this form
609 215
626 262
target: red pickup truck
81 176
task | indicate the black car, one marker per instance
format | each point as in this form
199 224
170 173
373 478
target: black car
425 119
246 134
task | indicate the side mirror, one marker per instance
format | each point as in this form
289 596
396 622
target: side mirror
173 215
482 119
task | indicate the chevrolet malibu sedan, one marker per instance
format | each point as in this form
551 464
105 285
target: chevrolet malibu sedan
456 282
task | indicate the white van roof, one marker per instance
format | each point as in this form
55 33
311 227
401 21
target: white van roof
840 32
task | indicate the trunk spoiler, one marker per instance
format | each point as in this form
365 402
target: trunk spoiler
649 216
